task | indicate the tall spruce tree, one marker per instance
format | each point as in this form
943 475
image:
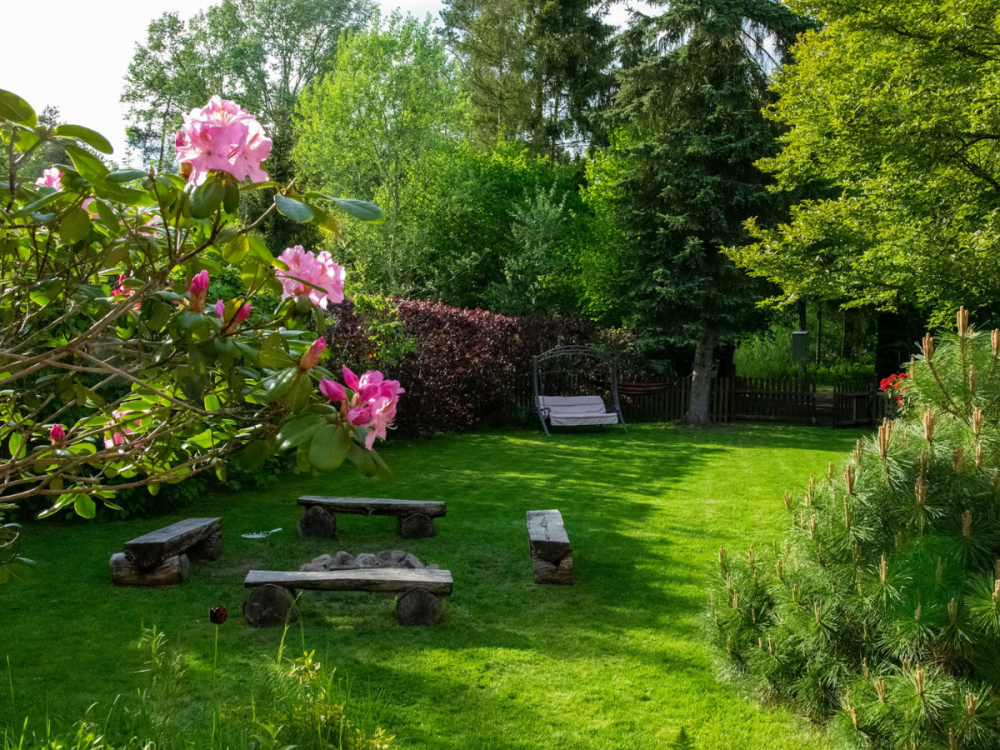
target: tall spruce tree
880 610
692 86
536 70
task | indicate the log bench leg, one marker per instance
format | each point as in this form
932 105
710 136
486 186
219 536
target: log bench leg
209 548
317 523
170 572
416 526
418 607
269 606
552 574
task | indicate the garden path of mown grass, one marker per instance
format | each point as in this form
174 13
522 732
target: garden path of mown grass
617 661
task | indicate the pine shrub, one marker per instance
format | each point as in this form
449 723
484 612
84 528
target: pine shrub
879 612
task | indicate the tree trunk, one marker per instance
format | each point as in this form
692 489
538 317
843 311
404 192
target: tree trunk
701 377
819 329
803 321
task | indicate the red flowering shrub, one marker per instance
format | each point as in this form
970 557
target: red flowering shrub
896 384
467 366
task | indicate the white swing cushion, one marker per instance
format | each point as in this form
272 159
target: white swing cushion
576 410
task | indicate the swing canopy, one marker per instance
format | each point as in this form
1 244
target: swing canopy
575 386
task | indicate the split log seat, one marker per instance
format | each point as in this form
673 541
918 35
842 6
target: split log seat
551 556
162 557
273 595
416 517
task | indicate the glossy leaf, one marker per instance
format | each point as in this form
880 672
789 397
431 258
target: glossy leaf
295 210
91 137
15 109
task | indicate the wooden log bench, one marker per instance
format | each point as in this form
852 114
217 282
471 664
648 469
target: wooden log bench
551 556
162 557
270 602
416 517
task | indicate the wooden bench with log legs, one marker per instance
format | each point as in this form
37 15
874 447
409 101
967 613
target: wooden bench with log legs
416 517
270 603
551 556
162 557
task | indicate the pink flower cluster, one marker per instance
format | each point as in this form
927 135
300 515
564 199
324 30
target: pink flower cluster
373 405
117 438
318 270
222 137
51 178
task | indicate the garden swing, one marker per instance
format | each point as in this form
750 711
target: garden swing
576 385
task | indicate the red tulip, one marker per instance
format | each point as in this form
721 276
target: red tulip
218 615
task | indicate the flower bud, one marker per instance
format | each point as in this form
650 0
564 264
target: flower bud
198 289
57 434
313 354
218 615
243 313
332 390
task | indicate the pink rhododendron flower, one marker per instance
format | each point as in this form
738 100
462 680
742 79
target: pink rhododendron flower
57 434
312 355
225 138
51 178
198 288
374 403
318 270
332 390
117 438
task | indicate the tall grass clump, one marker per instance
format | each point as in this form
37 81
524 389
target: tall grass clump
290 702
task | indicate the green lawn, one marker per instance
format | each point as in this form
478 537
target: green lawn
617 661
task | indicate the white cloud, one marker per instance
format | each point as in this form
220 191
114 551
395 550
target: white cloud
79 54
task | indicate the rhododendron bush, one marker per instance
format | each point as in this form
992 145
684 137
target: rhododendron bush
118 366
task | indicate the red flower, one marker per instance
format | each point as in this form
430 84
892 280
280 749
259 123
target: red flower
218 615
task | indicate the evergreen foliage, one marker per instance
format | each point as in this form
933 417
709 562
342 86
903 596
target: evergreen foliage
693 83
537 70
880 610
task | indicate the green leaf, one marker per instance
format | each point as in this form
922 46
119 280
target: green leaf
18 448
298 430
75 226
260 186
207 198
85 506
329 448
212 402
254 455
363 210
232 200
280 385
114 256
91 137
362 459
89 166
127 175
236 249
295 210
14 109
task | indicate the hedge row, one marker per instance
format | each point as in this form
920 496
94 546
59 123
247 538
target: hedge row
461 368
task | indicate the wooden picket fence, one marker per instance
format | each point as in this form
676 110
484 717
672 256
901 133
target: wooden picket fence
860 402
758 400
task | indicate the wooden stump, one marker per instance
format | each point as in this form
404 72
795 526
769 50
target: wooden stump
210 548
170 572
317 523
416 526
269 606
545 572
418 607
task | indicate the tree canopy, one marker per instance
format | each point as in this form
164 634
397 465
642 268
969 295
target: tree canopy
892 108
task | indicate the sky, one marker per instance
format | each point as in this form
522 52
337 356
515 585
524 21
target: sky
85 86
